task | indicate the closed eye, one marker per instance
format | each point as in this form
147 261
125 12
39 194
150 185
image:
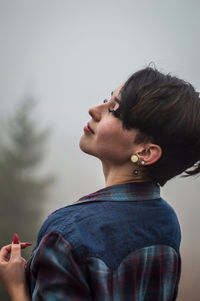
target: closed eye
110 110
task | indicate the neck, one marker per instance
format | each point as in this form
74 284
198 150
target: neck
123 174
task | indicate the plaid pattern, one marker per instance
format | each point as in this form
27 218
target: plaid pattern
140 191
60 269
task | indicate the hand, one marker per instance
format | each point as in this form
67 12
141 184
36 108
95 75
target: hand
12 268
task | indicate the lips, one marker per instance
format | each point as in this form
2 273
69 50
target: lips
88 129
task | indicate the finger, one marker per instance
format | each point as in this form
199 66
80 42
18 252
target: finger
24 262
16 238
4 253
15 251
26 244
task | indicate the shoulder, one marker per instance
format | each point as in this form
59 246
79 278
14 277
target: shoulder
105 227
59 221
71 221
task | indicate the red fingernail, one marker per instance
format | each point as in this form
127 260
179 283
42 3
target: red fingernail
28 244
16 239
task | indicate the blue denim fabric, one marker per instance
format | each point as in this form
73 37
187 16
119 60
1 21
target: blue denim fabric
111 229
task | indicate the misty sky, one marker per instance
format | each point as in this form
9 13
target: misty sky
70 55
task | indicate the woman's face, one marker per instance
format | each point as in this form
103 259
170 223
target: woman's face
104 137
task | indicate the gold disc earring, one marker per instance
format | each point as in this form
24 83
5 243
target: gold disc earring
134 158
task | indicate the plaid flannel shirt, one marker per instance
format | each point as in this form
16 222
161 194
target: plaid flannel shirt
120 243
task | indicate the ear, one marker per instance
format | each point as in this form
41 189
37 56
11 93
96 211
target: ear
150 154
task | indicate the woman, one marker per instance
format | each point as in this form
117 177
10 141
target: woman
121 242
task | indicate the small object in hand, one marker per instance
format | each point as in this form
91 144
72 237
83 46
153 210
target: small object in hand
16 239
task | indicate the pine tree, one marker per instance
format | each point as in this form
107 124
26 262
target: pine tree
23 189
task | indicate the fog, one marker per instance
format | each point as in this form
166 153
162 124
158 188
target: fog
69 56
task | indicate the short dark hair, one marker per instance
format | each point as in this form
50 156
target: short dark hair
166 111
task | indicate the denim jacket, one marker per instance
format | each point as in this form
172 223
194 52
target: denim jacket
119 243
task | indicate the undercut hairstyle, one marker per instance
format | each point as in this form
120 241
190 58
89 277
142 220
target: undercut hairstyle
166 111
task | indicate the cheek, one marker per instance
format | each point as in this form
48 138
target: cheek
114 133
114 141
107 132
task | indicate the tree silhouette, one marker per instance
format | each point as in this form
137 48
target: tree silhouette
23 189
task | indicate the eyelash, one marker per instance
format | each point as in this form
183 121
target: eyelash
109 110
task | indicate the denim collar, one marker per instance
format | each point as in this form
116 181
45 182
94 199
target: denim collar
135 191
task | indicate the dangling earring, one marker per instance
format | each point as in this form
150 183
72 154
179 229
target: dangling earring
135 159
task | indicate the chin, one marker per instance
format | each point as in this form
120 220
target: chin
84 146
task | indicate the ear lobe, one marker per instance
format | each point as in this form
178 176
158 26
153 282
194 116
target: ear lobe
150 154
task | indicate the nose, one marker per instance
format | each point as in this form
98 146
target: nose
95 113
